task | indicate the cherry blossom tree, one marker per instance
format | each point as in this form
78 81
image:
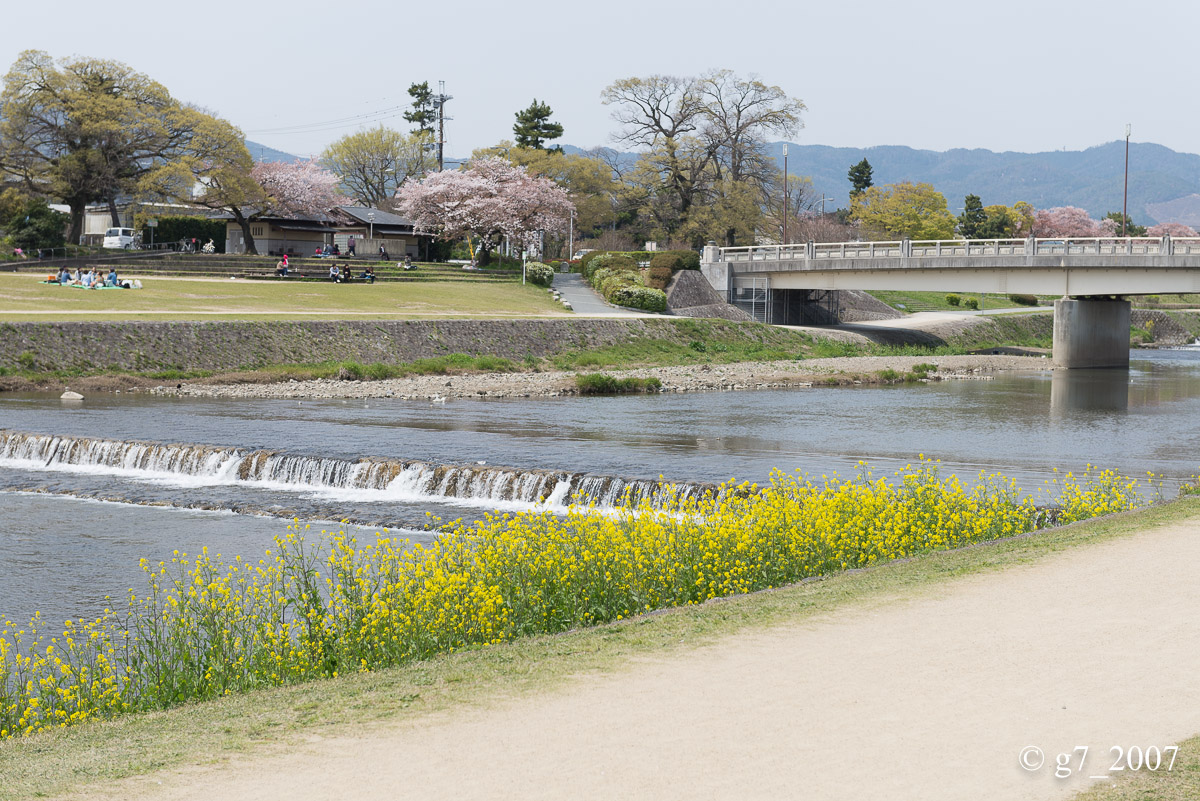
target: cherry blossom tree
490 199
298 189
1171 229
1066 221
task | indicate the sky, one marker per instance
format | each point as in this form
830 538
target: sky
1021 75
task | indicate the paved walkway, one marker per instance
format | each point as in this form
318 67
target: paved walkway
585 300
930 698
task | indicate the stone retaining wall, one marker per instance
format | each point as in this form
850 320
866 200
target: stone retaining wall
147 346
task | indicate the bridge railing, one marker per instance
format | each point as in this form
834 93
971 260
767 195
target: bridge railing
966 247
946 248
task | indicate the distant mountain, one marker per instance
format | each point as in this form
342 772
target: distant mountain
260 152
1164 185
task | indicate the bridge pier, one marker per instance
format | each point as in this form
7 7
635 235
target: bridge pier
1091 332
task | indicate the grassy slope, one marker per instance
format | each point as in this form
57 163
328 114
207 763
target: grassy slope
936 301
271 720
24 298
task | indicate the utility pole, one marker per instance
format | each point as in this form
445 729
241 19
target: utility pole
1125 202
440 98
786 200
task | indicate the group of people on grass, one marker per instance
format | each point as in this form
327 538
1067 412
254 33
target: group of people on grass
342 275
90 279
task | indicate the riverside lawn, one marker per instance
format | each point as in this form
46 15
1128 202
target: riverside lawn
273 720
210 628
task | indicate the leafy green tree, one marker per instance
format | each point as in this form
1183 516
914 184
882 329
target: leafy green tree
424 110
36 225
372 164
83 130
215 173
1131 228
904 210
999 222
533 126
860 177
972 217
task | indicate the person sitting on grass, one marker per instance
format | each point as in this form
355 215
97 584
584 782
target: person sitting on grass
87 279
333 272
111 280
64 277
369 274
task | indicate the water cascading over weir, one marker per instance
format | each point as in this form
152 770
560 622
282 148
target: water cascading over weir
392 478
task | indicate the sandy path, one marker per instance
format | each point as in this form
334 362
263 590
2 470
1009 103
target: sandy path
931 698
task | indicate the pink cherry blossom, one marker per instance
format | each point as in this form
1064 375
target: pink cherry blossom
1171 229
298 189
1066 221
490 199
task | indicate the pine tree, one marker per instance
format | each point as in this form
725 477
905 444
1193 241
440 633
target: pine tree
972 219
533 126
424 113
860 177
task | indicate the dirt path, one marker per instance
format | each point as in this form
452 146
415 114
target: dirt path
929 698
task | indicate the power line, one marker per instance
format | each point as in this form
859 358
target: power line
341 122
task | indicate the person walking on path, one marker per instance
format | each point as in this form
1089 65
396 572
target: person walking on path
350 245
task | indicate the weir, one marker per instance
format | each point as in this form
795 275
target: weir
394 479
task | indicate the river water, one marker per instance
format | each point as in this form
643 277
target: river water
398 463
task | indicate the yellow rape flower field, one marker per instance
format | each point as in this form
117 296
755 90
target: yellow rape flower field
311 608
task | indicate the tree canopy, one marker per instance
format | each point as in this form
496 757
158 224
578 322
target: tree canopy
83 130
533 126
860 177
490 199
424 110
903 211
372 164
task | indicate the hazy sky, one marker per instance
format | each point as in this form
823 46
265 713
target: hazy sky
1019 75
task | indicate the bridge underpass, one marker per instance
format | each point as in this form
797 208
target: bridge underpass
797 284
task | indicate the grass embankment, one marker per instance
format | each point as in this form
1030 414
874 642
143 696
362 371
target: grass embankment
936 301
679 341
24 299
273 720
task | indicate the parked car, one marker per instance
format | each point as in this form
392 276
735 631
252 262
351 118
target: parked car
121 238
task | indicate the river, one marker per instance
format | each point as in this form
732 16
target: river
397 463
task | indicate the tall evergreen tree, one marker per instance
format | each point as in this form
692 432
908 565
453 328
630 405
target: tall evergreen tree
972 219
424 113
860 177
533 126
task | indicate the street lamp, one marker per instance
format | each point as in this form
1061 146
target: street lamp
371 224
1125 201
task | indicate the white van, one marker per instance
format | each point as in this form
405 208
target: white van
121 238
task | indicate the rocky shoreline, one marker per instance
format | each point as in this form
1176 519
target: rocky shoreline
687 378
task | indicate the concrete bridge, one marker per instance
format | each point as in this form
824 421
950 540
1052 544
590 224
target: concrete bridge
1092 276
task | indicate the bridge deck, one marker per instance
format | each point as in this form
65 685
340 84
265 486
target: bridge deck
1129 266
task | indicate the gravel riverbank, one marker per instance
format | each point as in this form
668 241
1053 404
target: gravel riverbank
687 378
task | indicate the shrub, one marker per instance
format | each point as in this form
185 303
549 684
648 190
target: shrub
688 259
604 384
953 300
658 277
588 258
1024 300
640 297
538 273
971 303
668 259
